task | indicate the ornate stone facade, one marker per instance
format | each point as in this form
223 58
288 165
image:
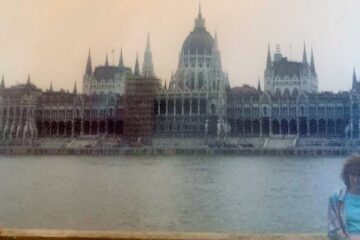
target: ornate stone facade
105 79
326 114
194 103
63 114
198 101
289 77
18 106
26 112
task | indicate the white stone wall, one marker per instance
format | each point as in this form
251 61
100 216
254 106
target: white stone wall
307 83
116 85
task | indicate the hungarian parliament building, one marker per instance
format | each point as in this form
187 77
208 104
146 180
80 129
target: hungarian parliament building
197 101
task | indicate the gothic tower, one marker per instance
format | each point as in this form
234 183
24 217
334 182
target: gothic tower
148 67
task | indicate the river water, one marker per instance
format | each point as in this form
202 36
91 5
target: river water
168 193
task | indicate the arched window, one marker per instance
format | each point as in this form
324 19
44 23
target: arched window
265 112
302 111
213 109
192 81
200 80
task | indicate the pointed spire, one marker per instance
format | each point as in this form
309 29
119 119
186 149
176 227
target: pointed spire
107 60
121 63
136 69
165 87
199 21
148 67
88 70
304 56
199 13
268 60
2 85
312 63
148 42
354 75
28 79
259 86
354 81
75 89
51 87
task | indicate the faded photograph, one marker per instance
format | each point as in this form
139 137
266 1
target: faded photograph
226 119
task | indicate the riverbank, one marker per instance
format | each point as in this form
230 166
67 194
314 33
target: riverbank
26 234
100 146
296 151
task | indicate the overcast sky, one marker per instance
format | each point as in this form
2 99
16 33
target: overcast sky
50 39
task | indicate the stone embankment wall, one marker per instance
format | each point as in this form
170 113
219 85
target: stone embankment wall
296 151
17 234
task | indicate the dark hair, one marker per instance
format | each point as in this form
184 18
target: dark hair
351 165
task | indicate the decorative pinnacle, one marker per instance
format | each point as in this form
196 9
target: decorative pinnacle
354 75
75 89
304 54
2 85
312 62
268 60
88 69
148 42
136 69
121 62
107 60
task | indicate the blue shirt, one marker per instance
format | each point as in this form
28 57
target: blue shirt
352 213
336 214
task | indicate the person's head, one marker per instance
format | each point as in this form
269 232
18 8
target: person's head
351 172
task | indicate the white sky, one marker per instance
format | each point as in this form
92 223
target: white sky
50 39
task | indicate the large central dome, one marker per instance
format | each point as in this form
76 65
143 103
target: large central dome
199 40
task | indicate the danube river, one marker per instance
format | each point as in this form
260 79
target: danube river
168 193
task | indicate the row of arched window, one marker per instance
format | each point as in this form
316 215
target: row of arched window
312 127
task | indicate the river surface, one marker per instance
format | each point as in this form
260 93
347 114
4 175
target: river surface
168 193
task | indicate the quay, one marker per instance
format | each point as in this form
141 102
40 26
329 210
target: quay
34 234
23 150
95 146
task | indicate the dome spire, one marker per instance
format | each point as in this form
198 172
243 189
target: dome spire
199 21
199 13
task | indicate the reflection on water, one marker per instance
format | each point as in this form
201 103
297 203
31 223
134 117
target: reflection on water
176 193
